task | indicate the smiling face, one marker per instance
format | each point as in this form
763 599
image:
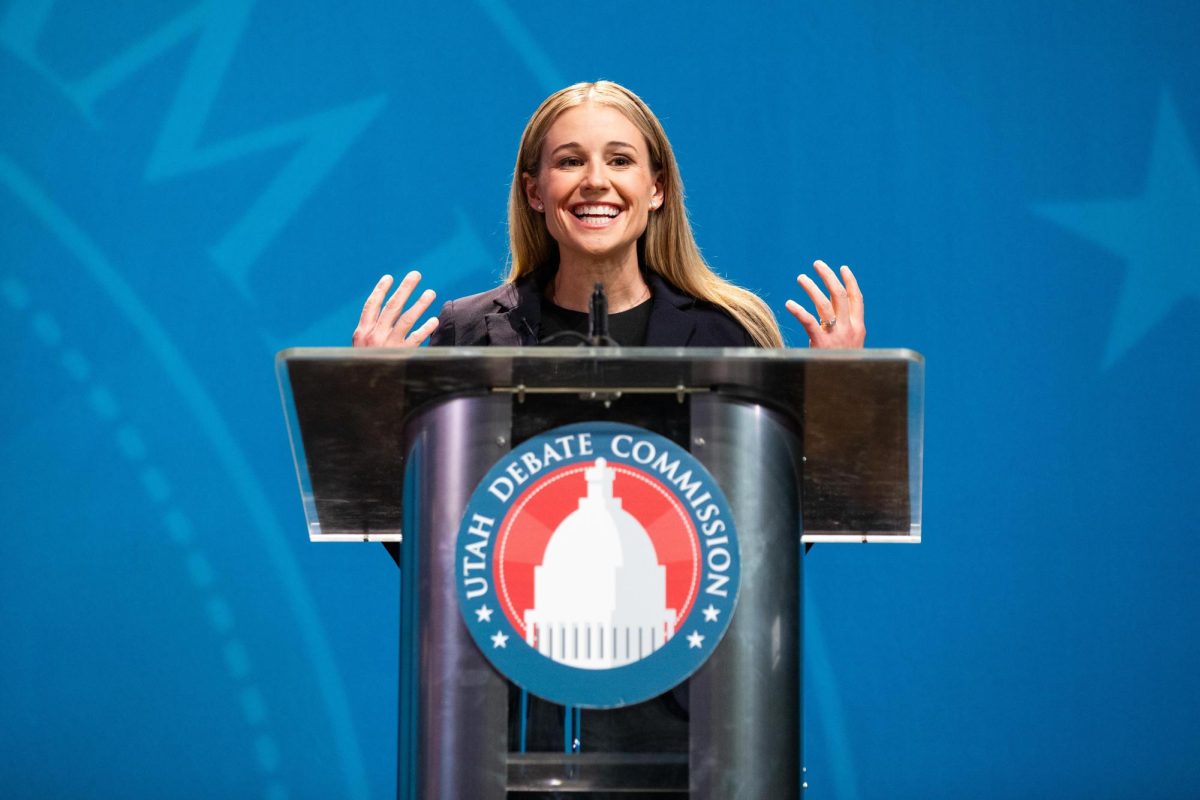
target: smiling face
595 184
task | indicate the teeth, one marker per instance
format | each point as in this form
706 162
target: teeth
596 211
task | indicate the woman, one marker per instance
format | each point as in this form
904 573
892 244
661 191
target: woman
597 197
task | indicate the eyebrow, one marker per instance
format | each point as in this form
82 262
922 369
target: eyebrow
576 144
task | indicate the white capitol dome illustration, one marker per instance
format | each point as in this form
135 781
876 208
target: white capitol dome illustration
599 595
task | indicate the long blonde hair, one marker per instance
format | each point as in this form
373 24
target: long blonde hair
667 246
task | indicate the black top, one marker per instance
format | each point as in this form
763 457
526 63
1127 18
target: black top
511 316
627 328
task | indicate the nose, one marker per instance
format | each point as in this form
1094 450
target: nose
595 176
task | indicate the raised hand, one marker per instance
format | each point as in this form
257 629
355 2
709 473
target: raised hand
383 325
839 321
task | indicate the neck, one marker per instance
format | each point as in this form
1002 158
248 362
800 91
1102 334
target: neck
577 277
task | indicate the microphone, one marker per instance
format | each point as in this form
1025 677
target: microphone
597 335
598 318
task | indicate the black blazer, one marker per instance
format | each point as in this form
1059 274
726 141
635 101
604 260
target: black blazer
510 315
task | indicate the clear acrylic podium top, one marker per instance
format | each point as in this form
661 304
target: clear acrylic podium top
858 416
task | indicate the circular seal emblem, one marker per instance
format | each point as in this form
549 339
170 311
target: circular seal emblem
597 565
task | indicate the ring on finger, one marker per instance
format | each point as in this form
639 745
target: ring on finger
827 324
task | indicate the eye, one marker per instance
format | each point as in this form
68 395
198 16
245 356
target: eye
621 161
570 161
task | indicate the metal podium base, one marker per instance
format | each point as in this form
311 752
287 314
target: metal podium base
536 774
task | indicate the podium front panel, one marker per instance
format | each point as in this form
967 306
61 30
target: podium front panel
733 729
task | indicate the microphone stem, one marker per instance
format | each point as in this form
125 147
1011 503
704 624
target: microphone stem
598 317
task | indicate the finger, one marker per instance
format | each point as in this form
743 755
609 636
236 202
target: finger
811 325
418 337
857 303
370 312
399 299
824 307
837 292
410 317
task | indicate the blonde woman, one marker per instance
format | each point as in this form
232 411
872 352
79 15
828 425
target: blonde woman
597 198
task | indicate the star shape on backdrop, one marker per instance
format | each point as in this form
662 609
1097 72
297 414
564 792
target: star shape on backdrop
710 613
484 613
499 639
695 640
1156 232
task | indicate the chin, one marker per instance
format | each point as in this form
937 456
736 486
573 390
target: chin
598 251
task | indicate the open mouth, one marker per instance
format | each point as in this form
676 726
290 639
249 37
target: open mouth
596 214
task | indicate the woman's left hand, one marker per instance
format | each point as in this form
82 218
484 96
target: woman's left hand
839 321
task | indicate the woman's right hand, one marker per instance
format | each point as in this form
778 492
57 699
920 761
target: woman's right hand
383 324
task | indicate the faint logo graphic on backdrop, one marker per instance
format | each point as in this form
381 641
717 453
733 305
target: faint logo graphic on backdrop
317 143
599 565
1157 233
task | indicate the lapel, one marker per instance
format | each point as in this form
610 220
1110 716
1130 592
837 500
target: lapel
670 324
517 316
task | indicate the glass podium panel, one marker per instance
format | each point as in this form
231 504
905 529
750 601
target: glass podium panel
861 412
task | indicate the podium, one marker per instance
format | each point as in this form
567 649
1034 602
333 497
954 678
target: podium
807 446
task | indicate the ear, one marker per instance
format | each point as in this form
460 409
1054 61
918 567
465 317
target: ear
531 192
656 197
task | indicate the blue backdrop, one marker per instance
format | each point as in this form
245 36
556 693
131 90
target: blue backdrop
187 187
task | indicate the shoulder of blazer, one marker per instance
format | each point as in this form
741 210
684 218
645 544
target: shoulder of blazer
506 315
680 320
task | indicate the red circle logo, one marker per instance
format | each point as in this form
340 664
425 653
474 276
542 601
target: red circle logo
526 555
